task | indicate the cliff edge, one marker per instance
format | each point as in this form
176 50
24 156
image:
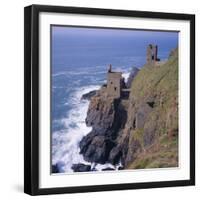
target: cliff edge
138 130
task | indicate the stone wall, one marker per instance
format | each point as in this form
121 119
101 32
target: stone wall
114 84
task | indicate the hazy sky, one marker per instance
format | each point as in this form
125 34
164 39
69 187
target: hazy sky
100 32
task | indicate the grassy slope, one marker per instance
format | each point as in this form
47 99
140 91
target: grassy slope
162 83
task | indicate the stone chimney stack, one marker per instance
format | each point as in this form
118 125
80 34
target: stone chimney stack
152 54
110 68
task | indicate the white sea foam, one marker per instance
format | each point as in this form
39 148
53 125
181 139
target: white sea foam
65 144
59 74
85 72
125 76
100 167
125 72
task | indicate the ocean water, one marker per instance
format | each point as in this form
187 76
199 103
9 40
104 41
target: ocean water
80 59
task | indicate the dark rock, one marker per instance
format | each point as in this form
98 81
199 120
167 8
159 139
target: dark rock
93 170
101 114
120 168
55 168
86 141
108 169
81 167
133 149
149 133
119 151
106 117
142 115
96 148
132 75
151 104
89 95
115 155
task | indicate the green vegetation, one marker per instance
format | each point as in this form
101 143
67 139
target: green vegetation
137 135
158 84
160 155
157 78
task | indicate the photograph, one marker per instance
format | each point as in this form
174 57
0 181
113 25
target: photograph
114 99
109 99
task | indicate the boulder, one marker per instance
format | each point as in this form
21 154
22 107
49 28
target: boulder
120 168
55 168
108 169
81 167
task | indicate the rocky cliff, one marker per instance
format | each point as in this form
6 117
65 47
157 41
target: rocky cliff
141 131
107 116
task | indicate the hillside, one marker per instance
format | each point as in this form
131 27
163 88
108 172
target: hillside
141 131
152 123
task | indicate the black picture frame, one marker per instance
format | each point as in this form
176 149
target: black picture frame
31 98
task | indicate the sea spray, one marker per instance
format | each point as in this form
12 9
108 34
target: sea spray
65 143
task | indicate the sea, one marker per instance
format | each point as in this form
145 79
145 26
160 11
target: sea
79 62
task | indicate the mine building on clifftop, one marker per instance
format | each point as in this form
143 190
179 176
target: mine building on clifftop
116 87
152 54
114 83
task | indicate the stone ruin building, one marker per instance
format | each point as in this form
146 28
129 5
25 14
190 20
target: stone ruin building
152 54
116 87
114 83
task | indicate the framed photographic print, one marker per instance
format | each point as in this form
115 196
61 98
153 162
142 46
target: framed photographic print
109 100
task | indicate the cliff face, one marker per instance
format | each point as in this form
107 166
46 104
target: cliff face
152 124
142 131
107 116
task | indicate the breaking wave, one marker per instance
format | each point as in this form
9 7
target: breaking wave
65 143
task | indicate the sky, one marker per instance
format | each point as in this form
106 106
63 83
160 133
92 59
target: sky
102 32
